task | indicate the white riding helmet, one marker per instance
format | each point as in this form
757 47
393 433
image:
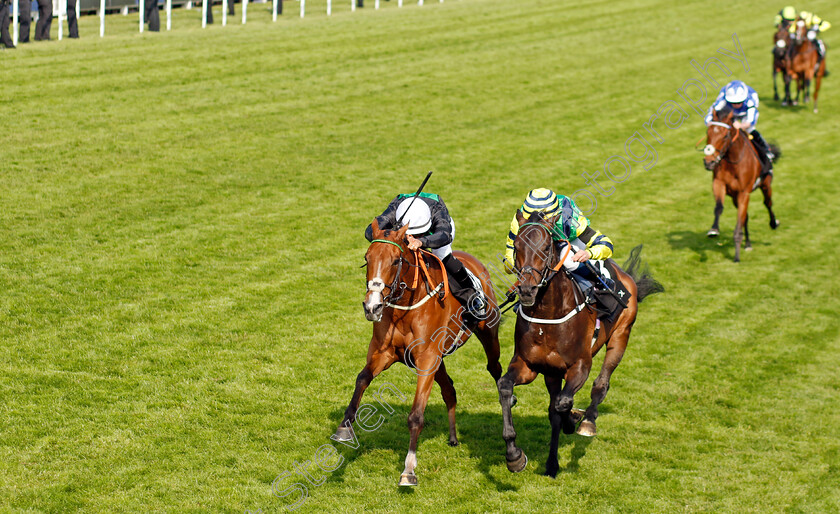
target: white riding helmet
418 218
736 92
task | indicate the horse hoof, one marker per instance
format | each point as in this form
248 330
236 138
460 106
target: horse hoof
795 103
453 442
342 434
515 466
736 259
408 480
784 104
774 226
748 248
586 429
577 415
815 110
713 232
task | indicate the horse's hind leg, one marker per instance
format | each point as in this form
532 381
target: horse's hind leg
747 244
743 204
518 373
775 89
616 346
447 390
377 363
554 385
767 192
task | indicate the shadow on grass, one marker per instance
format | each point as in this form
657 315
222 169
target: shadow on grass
701 244
479 434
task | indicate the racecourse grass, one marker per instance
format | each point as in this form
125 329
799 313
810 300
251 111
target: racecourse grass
182 218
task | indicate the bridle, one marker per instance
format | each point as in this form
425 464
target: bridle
710 149
397 285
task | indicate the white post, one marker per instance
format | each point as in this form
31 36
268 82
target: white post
302 7
399 4
419 2
224 12
244 11
78 12
329 7
142 4
376 4
168 14
274 9
352 5
15 16
101 18
204 13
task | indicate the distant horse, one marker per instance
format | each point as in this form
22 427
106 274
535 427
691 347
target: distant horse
555 335
417 324
734 161
804 64
782 61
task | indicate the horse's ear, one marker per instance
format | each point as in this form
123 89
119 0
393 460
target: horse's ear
520 219
400 234
377 233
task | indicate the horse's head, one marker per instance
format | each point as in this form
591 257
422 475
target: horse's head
802 33
781 42
719 136
534 253
384 260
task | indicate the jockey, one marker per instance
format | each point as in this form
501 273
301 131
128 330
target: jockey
431 228
744 103
571 225
785 18
815 25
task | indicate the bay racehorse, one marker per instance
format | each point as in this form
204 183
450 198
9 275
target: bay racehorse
782 61
803 66
736 167
556 335
418 322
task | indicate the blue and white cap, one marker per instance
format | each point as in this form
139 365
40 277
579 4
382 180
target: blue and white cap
736 92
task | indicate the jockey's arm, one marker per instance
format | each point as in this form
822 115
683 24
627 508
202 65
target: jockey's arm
598 245
386 220
514 229
823 26
440 233
717 104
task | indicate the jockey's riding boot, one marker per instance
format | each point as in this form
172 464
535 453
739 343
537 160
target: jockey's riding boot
765 155
465 289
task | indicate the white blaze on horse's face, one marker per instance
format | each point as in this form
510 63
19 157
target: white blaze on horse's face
374 296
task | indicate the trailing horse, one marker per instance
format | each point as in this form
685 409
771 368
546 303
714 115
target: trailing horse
782 61
803 66
416 321
556 335
736 168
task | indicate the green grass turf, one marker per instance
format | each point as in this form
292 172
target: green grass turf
182 219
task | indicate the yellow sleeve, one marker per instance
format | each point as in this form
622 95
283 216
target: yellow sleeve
600 247
778 20
825 25
514 229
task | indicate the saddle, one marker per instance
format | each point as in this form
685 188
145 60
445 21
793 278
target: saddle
601 295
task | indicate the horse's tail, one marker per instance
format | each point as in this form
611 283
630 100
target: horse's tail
776 149
646 285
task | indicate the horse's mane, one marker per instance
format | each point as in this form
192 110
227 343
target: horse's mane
724 111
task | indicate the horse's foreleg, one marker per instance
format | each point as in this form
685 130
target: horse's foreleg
575 377
747 244
518 373
554 385
775 89
719 189
377 363
743 203
488 334
818 82
616 346
787 99
767 191
415 424
447 390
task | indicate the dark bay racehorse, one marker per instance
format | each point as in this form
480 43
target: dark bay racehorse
554 336
734 161
803 66
782 61
417 322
